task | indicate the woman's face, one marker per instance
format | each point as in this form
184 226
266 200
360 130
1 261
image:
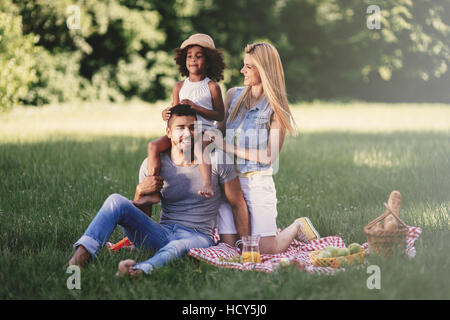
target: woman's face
250 72
195 60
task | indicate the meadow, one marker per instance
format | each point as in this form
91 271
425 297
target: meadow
59 163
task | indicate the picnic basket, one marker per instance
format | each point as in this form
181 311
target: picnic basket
386 242
336 262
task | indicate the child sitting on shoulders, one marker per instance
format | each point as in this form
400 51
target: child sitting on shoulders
202 64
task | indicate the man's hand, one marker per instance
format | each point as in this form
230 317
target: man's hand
147 193
126 268
149 185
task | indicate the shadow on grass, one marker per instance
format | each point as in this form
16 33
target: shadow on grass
50 192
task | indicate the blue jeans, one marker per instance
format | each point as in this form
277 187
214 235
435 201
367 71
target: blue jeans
171 240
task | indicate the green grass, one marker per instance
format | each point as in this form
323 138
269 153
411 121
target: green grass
58 165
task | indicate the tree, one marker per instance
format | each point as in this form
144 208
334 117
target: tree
115 52
125 48
16 57
331 52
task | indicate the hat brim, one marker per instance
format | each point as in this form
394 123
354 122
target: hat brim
190 42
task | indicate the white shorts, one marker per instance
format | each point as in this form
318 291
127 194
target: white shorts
260 195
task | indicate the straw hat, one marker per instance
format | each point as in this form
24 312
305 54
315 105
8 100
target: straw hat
199 39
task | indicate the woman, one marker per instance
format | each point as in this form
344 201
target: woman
258 117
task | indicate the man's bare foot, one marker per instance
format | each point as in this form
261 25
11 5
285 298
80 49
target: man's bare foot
126 268
80 257
207 191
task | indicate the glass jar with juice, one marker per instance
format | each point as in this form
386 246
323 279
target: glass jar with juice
250 249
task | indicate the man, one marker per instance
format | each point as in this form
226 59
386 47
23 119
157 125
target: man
187 219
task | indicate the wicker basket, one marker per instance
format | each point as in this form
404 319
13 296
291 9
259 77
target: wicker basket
336 262
385 242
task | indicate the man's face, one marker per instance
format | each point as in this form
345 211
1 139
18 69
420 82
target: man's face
181 132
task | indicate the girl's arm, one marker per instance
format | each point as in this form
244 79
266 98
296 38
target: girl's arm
176 93
175 100
228 97
266 156
217 113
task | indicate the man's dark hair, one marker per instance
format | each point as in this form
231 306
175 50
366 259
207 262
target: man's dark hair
182 110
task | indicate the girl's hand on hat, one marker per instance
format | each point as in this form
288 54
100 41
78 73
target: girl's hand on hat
188 102
166 114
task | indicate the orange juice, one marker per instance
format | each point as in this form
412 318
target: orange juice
251 256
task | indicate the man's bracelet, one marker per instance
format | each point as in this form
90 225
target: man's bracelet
238 243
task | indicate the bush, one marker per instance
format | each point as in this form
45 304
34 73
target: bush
17 59
58 78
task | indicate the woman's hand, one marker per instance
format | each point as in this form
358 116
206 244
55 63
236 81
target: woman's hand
214 136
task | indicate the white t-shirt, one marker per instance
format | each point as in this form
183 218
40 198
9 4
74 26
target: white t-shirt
180 202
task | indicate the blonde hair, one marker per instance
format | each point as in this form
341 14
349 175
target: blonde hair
267 60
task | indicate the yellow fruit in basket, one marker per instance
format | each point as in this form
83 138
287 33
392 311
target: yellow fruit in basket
343 252
324 254
332 250
320 254
354 248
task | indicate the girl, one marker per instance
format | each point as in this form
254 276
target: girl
258 116
200 61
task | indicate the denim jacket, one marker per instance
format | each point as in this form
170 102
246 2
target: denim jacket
250 131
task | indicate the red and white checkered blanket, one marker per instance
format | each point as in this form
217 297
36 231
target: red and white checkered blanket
297 253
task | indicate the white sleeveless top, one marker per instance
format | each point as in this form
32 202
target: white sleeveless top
199 93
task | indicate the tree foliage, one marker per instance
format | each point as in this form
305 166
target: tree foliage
125 48
17 62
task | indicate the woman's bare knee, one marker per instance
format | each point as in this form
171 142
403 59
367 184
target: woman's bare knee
268 245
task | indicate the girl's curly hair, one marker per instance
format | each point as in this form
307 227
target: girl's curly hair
214 62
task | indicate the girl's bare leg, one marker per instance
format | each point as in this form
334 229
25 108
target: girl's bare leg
205 169
154 149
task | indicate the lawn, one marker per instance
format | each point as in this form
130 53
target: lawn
59 163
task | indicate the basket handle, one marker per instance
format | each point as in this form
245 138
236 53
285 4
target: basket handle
378 219
384 215
394 214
